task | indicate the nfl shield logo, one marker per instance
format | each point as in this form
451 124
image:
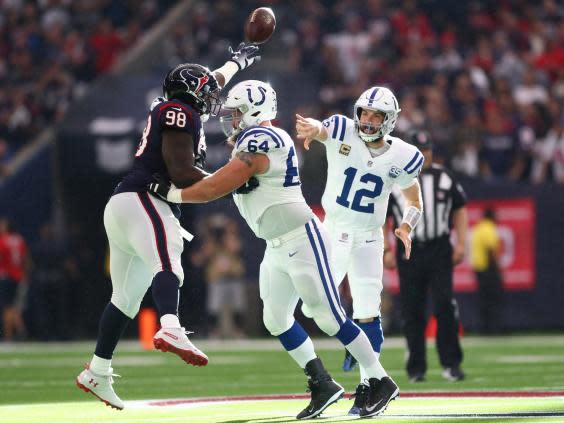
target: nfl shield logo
394 172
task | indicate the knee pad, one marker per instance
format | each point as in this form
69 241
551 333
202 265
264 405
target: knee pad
179 272
326 321
366 298
277 321
127 307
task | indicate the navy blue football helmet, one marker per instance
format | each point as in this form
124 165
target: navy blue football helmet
195 85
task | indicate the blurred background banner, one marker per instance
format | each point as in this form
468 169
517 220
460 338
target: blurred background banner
516 224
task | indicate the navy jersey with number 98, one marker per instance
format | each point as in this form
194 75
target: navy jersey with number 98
166 115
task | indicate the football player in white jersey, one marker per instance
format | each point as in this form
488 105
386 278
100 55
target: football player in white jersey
296 261
364 163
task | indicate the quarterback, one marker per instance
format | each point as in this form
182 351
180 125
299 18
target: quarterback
263 171
364 163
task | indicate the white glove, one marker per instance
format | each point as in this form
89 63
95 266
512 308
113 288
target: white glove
244 56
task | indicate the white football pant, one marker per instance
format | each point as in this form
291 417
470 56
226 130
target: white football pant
145 239
360 256
296 265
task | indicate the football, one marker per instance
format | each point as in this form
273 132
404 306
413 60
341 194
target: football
260 25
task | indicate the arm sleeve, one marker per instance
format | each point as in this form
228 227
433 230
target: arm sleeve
336 127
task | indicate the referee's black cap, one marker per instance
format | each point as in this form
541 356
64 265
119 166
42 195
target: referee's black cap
420 139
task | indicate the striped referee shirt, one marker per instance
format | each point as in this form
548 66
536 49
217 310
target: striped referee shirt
441 194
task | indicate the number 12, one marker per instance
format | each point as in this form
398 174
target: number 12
350 174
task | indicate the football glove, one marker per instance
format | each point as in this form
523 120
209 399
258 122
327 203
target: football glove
164 190
248 186
244 56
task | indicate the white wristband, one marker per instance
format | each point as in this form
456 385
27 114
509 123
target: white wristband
228 70
174 195
411 216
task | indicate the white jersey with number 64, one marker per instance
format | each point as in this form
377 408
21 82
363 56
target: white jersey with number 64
280 184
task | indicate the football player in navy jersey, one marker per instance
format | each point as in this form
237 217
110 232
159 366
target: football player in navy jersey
143 232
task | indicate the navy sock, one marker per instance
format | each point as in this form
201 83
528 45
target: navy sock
112 324
348 332
293 337
165 292
374 332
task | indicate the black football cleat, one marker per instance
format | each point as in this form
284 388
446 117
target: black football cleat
381 393
349 363
360 397
324 390
453 374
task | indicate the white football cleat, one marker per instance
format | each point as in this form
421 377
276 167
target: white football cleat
100 386
175 340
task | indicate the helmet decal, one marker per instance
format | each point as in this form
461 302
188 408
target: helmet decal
248 103
373 96
195 85
262 91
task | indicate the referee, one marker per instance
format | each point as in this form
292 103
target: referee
431 265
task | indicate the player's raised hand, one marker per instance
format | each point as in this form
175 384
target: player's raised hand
245 55
307 129
404 234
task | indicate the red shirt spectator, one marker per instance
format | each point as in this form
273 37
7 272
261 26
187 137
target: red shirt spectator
13 251
107 45
4 255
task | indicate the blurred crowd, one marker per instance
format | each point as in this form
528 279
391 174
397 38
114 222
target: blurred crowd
486 81
484 77
51 49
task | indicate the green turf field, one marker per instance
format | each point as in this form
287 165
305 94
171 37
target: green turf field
37 383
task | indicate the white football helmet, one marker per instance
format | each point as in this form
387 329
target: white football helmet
379 99
248 104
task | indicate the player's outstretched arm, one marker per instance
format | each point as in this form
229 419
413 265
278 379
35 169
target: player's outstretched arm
310 129
230 177
239 59
411 215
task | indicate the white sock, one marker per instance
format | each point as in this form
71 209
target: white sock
170 321
380 371
304 353
100 365
361 349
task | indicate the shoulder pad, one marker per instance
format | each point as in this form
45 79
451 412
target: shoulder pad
258 139
336 127
408 156
177 115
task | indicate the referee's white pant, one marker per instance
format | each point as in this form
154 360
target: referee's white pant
296 265
360 256
145 239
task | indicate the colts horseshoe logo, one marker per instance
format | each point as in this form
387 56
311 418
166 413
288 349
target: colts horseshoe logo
262 93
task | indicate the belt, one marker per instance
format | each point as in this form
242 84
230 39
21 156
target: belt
278 241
